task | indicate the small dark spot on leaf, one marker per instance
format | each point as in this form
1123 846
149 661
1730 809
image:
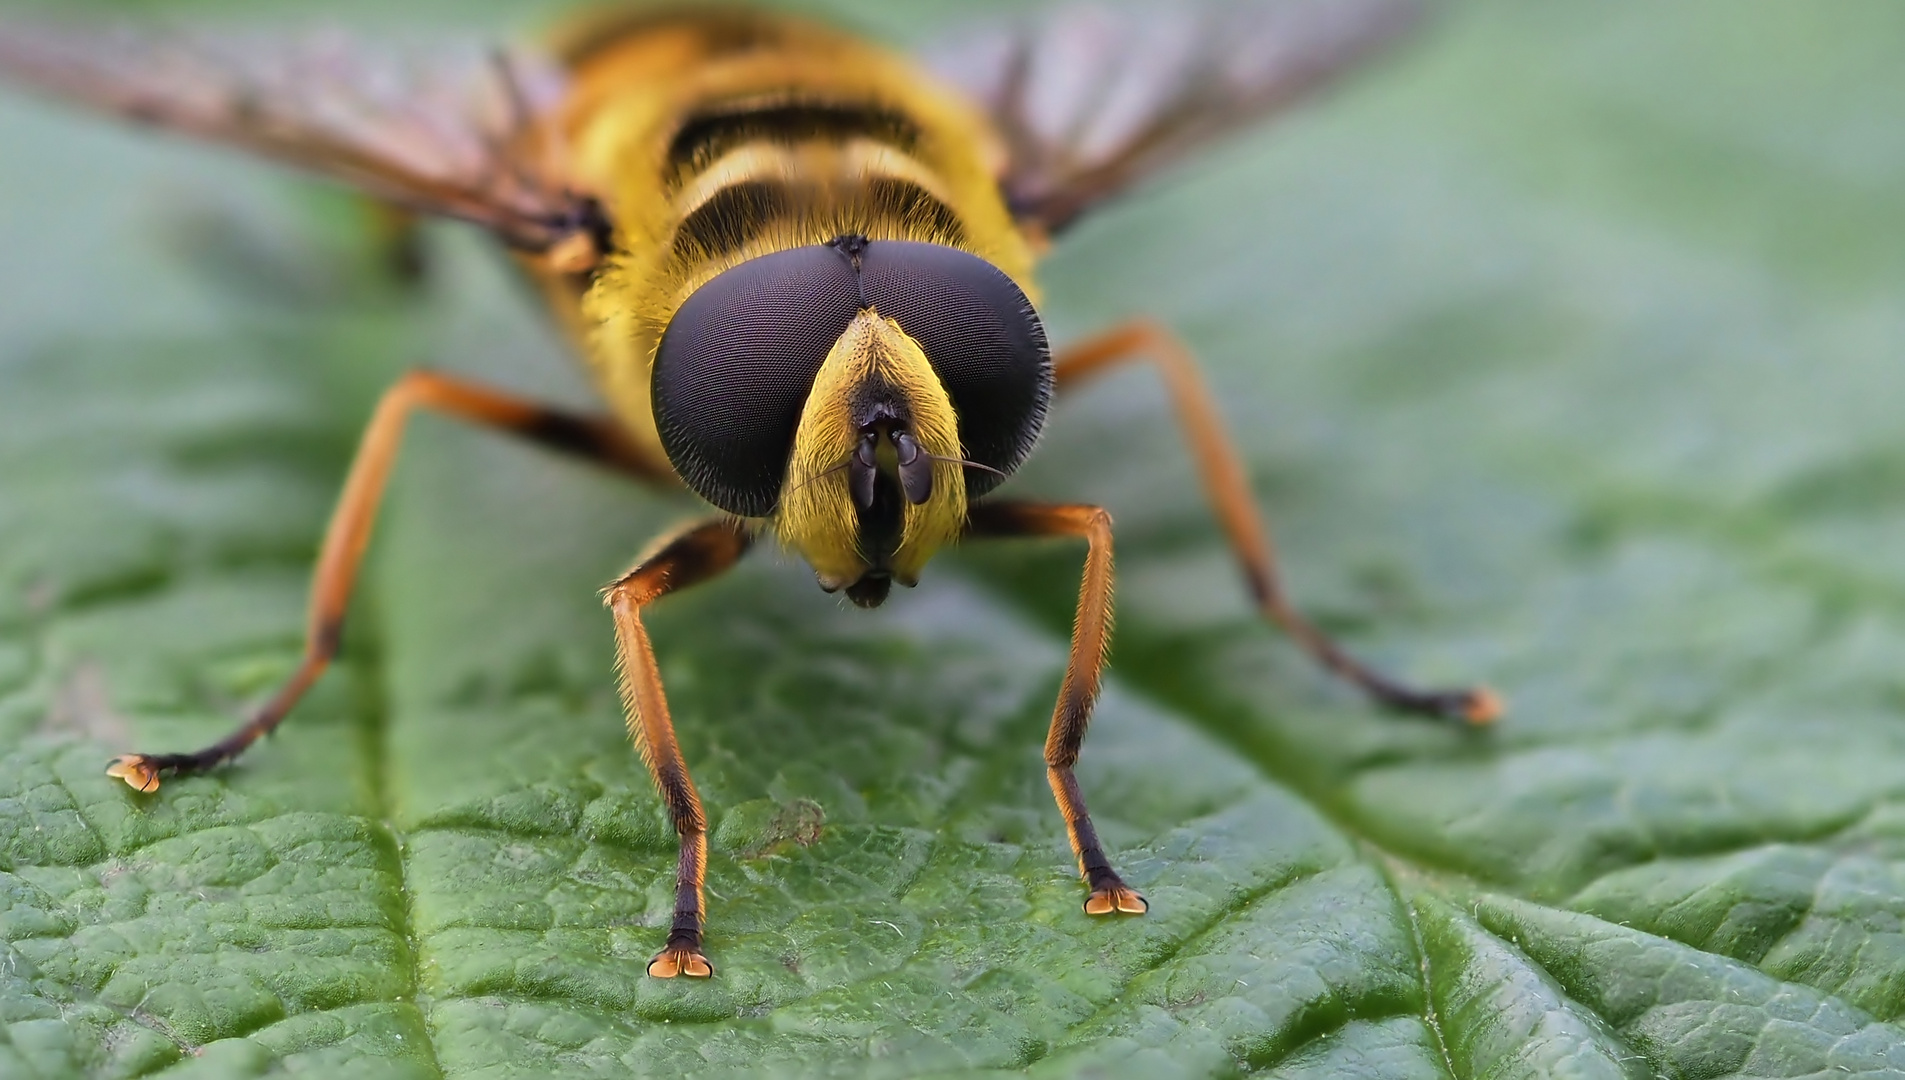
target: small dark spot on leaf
758 829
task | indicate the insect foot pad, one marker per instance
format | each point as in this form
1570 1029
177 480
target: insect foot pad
1485 707
680 958
1116 900
136 770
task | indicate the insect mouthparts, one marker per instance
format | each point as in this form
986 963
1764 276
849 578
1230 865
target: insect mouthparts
871 590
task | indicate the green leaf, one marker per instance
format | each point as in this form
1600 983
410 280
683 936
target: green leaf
1565 353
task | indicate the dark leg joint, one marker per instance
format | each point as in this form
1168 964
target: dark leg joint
588 438
327 639
1101 877
1262 592
688 559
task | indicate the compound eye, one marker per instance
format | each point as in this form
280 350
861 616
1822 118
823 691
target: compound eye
983 339
735 365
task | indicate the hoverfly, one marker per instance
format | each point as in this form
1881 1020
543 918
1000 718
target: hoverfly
800 270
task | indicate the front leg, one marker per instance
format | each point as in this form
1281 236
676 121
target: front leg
1091 635
687 558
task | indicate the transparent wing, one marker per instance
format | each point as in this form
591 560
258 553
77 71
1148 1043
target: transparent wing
448 133
1090 99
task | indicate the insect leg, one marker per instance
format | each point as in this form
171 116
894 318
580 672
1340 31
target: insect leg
1229 491
1091 634
689 557
595 438
398 236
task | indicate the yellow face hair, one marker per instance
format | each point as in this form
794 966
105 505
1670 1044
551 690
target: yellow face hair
817 514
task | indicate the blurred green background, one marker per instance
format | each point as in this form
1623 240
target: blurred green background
1565 347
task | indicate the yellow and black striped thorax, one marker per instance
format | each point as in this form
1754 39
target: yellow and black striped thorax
770 182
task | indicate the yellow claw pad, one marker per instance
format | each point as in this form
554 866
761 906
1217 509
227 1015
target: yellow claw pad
1485 707
136 770
1119 900
680 960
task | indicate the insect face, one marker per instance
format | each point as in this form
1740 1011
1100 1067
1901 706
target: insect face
858 393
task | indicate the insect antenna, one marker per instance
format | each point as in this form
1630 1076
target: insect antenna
520 113
516 121
822 474
967 464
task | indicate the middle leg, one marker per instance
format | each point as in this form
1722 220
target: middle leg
1229 491
595 438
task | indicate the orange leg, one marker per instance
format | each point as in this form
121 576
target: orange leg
1229 492
689 557
595 438
1091 635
